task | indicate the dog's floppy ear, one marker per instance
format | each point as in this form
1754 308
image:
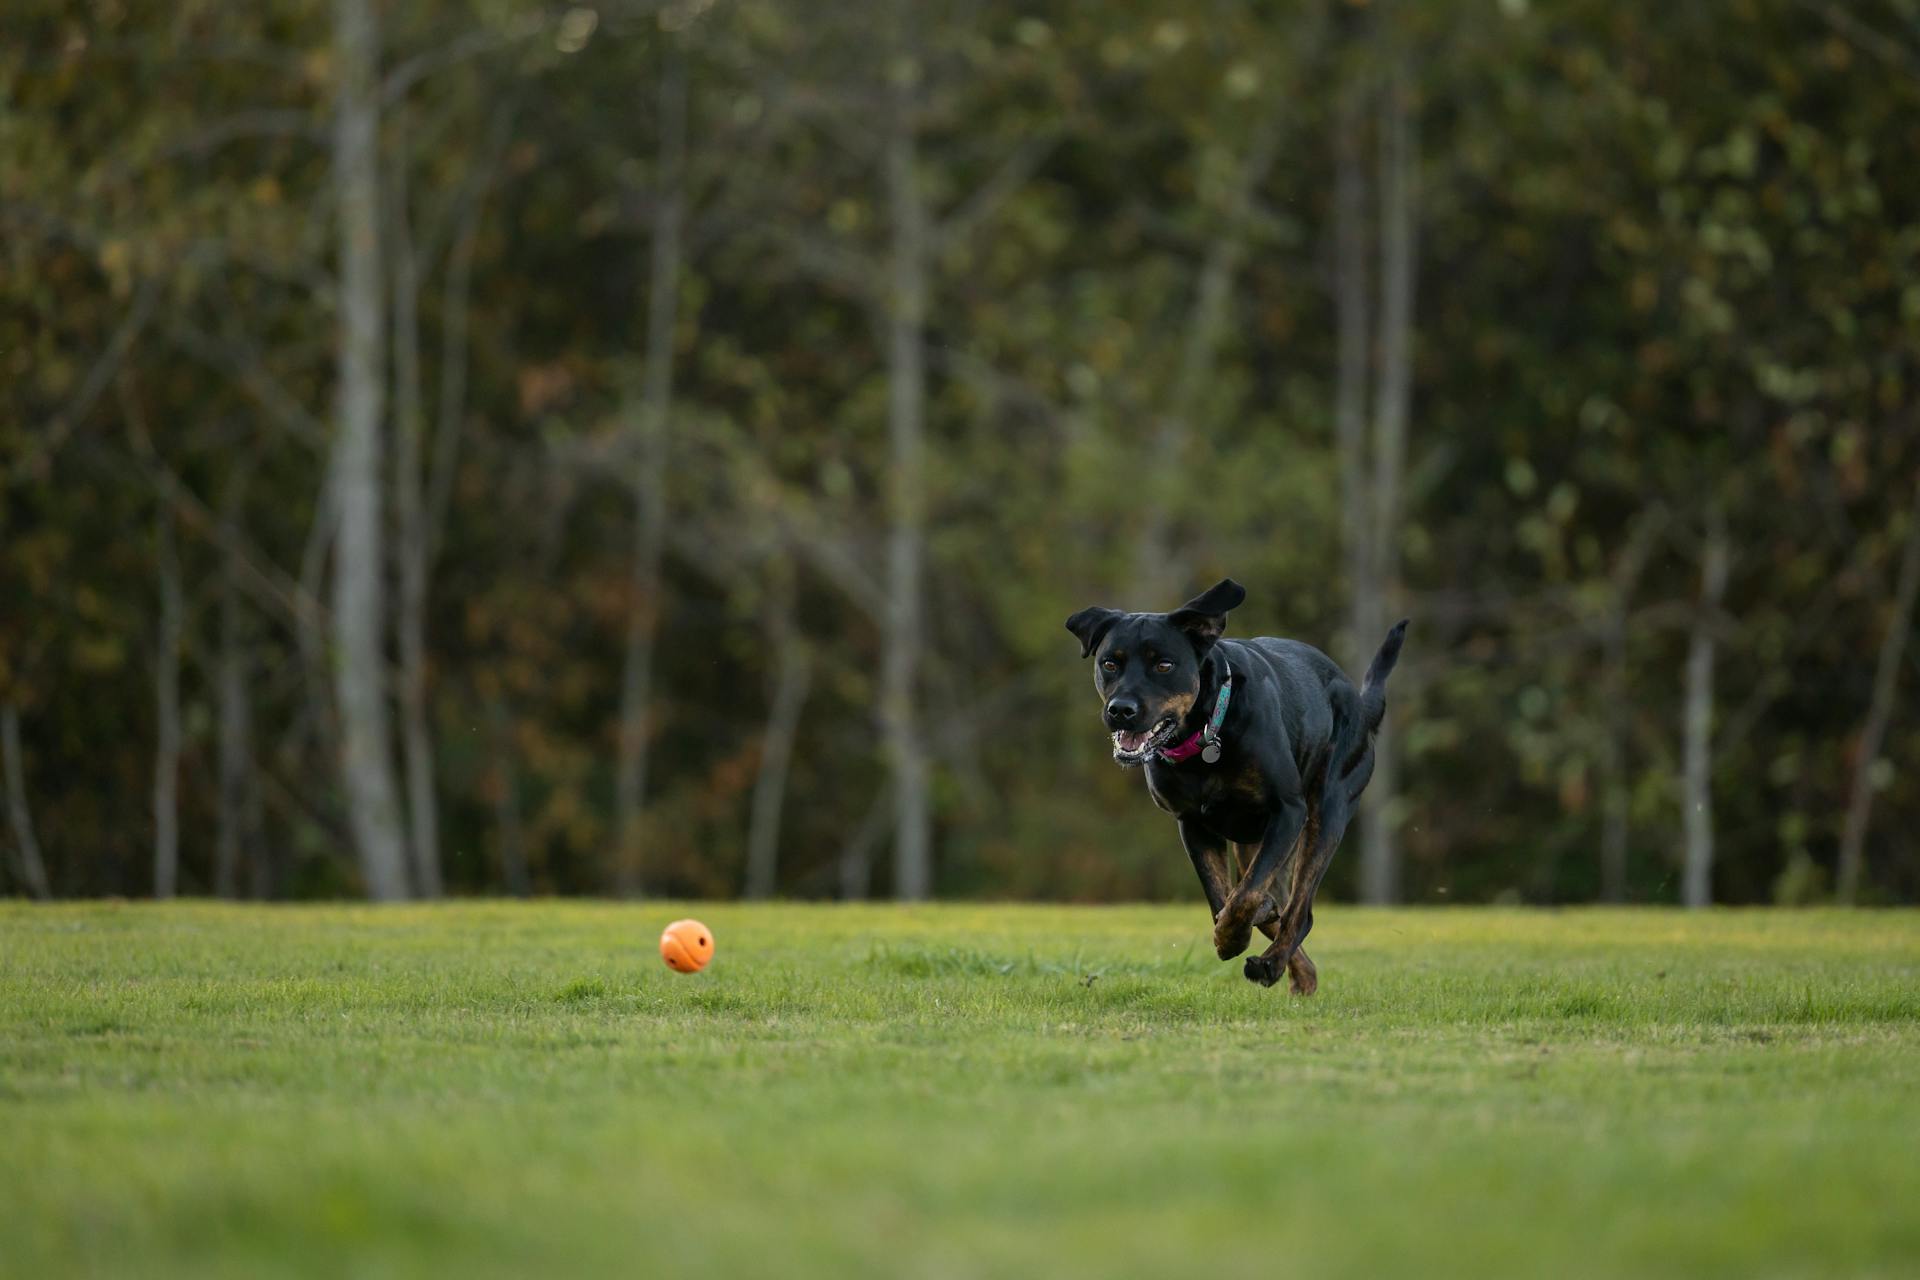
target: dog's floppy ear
1091 626
1204 618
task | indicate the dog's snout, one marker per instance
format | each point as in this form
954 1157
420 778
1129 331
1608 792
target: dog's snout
1122 711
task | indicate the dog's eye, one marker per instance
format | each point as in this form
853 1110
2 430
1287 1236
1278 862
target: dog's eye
1109 665
1163 666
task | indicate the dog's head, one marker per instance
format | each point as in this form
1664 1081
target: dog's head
1147 666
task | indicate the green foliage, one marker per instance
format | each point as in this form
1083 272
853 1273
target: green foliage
1667 257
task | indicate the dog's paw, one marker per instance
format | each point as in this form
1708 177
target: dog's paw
1264 970
1231 933
1268 913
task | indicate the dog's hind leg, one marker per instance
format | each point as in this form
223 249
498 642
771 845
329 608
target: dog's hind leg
1296 919
1302 978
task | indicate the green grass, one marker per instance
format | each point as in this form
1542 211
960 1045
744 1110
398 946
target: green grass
954 1091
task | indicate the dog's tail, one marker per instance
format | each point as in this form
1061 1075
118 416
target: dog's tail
1373 689
1373 709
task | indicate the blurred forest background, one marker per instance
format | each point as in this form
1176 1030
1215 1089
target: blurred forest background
651 449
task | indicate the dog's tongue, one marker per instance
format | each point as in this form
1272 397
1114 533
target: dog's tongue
1131 741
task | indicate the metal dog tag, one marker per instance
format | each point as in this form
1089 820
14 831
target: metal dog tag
1211 753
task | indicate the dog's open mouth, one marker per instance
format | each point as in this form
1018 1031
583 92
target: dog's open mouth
1132 747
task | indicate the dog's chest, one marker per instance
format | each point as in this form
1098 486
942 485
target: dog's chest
1224 802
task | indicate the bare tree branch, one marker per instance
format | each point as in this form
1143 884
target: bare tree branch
1853 836
26 845
833 264
268 584
995 382
265 123
242 363
34 462
456 293
1865 38
402 77
1013 173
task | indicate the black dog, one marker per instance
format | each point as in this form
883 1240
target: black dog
1261 742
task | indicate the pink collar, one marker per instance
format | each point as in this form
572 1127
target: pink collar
1186 750
1206 742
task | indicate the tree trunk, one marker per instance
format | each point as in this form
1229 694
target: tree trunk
234 834
506 802
266 866
456 295
906 491
1697 798
26 846
315 732
794 671
649 477
1155 576
1380 871
310 629
1353 324
166 684
359 563
1893 643
416 734
855 863
1616 789
234 830
1616 784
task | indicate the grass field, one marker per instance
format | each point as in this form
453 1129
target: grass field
954 1091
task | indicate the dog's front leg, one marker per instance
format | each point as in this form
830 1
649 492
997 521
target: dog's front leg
1234 927
1208 853
1267 918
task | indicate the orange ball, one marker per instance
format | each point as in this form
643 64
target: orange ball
686 946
